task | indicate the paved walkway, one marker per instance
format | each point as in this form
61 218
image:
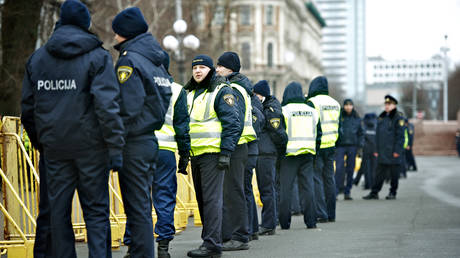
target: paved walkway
423 222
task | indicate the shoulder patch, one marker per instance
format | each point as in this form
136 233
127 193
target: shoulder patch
229 99
123 73
401 122
275 122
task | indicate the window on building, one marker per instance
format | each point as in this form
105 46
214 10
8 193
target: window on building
245 15
422 66
270 55
399 66
269 15
246 55
219 16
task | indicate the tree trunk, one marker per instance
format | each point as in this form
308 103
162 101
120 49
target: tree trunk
20 19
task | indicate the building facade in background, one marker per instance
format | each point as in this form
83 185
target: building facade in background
344 44
400 78
277 40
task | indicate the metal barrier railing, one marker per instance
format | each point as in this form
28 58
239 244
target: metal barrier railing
20 187
20 181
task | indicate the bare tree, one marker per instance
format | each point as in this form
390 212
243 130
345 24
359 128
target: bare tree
20 19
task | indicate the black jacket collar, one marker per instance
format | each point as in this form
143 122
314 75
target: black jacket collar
391 115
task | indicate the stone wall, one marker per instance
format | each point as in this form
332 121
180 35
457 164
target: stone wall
435 137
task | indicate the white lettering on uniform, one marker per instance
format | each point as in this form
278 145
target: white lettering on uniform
56 85
162 81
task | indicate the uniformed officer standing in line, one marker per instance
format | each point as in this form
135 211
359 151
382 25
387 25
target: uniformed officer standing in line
145 96
301 123
235 232
173 136
410 160
389 143
70 111
369 161
258 121
329 112
214 132
350 142
273 139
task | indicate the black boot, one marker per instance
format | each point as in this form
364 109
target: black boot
371 196
202 251
163 247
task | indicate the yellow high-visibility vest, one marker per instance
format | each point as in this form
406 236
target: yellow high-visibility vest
329 113
165 136
406 138
248 134
205 127
301 122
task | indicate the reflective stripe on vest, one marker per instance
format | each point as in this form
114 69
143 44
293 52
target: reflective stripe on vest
406 138
329 113
165 136
205 127
248 134
301 121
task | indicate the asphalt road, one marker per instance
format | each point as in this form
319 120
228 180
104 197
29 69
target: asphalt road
424 221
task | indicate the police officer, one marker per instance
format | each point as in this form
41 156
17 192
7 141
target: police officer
145 96
258 121
173 136
389 145
235 232
403 166
410 160
214 132
70 112
369 161
351 139
273 139
329 112
301 123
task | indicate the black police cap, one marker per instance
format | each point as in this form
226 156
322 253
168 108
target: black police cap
390 99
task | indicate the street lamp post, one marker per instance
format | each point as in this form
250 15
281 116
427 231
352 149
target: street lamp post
178 43
445 49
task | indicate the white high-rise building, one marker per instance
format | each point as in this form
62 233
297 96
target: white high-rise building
343 44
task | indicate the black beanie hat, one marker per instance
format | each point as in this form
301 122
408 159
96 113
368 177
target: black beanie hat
262 88
203 60
129 23
348 102
74 12
230 60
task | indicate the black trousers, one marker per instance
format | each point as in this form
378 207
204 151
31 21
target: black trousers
265 171
235 211
136 176
380 174
209 182
42 245
410 159
302 166
89 175
253 220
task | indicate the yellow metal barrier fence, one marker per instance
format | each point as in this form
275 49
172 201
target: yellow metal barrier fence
20 189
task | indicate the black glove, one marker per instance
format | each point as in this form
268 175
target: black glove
116 162
224 162
183 163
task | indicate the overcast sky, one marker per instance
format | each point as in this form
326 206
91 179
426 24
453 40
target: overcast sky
412 29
